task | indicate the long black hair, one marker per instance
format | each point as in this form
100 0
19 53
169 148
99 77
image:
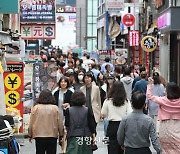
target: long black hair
117 93
156 78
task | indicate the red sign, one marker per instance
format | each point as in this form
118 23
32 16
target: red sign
14 86
133 38
128 20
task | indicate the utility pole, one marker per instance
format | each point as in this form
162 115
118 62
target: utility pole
129 54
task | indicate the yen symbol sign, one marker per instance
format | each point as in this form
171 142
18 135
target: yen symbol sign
12 81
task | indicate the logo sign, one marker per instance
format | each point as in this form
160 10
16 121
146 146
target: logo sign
12 81
148 43
128 20
12 98
114 5
133 38
37 11
38 31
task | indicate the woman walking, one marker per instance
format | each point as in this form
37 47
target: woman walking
115 107
169 116
80 126
92 94
157 90
45 124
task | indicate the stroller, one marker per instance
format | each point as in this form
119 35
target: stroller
8 144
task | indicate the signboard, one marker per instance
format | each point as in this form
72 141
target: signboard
134 38
148 43
14 86
44 77
128 20
120 56
9 6
114 5
37 11
164 20
38 31
15 68
66 9
105 53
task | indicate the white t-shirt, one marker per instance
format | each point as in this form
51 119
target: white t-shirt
115 113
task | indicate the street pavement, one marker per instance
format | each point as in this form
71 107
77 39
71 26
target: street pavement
29 148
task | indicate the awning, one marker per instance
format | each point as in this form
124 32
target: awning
5 38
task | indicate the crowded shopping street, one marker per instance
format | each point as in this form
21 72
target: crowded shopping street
89 77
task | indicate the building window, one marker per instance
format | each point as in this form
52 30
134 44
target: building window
92 13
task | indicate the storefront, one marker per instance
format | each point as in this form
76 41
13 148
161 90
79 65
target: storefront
168 23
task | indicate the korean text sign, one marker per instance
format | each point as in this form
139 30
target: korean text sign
37 11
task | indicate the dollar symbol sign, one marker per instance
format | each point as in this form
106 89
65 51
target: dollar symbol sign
13 100
49 31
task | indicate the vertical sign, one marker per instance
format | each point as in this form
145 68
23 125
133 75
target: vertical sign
14 86
134 38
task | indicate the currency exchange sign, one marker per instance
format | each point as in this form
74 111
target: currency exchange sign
14 86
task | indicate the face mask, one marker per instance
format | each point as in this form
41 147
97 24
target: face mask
80 77
110 80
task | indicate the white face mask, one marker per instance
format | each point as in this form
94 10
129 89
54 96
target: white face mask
80 77
110 80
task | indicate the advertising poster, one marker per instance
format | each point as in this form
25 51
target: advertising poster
65 30
37 11
44 77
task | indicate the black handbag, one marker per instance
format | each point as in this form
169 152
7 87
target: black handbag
94 147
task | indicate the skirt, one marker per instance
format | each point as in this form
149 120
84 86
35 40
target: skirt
79 145
169 136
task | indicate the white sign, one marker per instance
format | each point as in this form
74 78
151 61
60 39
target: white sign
114 5
38 31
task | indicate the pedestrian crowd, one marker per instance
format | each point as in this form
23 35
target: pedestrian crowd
134 107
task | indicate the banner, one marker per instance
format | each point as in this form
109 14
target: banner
37 11
44 77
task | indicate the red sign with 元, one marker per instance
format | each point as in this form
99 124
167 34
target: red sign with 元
128 20
133 38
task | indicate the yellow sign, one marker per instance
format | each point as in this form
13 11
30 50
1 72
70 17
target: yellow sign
12 98
12 81
148 43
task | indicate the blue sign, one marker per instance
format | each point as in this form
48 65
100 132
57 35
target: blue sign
4 151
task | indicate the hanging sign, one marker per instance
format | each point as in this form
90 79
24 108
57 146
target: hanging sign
128 20
134 38
14 86
148 43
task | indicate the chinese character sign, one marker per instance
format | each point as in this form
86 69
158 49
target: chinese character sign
148 43
133 38
37 11
38 31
